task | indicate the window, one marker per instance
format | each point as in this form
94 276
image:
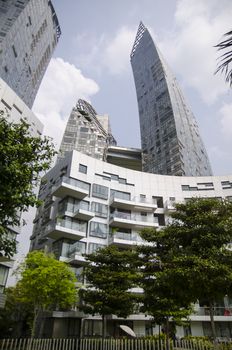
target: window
98 229
15 53
83 129
3 277
100 191
82 168
120 195
100 209
93 247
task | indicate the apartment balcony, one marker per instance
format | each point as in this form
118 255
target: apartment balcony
220 314
71 187
75 253
169 205
137 203
64 229
124 239
120 219
83 214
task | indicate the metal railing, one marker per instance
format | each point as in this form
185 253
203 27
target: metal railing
105 344
131 217
72 182
217 311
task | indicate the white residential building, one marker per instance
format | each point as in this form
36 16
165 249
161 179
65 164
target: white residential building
85 198
16 109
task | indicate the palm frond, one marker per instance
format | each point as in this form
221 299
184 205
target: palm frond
225 64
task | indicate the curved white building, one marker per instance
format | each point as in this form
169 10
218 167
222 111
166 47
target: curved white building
85 198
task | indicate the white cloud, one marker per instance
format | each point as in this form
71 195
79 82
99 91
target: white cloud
107 52
117 52
226 120
199 26
62 85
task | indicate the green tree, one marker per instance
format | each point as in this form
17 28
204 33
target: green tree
46 283
162 298
16 316
22 159
225 64
110 277
193 251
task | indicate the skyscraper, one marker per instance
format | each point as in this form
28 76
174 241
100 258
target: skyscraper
86 132
171 143
29 32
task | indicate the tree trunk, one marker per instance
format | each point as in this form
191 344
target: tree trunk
82 328
34 323
103 326
211 310
159 338
167 333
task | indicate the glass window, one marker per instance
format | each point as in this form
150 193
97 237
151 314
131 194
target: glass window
100 209
82 168
98 229
100 191
93 247
120 195
3 277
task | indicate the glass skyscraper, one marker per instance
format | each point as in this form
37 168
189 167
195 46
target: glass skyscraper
29 32
86 132
171 143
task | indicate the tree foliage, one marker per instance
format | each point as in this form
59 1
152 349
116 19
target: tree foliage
225 64
22 159
46 283
110 277
16 317
192 252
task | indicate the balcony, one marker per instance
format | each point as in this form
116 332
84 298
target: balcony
220 314
137 203
124 239
83 214
64 229
70 187
217 311
127 220
75 253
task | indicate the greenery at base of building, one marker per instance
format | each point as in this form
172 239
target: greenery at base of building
110 276
190 259
46 284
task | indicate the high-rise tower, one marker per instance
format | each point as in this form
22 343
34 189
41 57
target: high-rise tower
29 32
86 132
170 138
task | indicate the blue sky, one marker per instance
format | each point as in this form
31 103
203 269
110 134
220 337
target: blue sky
92 61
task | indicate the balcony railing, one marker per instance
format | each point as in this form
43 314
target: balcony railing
71 225
131 217
73 182
217 311
135 201
125 236
77 248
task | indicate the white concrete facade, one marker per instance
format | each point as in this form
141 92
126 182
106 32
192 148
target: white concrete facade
15 110
84 198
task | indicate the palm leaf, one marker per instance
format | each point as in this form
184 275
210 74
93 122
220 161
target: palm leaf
225 64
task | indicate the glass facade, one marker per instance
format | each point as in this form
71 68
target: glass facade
170 139
86 132
29 32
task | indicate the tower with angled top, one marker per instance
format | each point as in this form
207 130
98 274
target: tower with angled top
170 139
